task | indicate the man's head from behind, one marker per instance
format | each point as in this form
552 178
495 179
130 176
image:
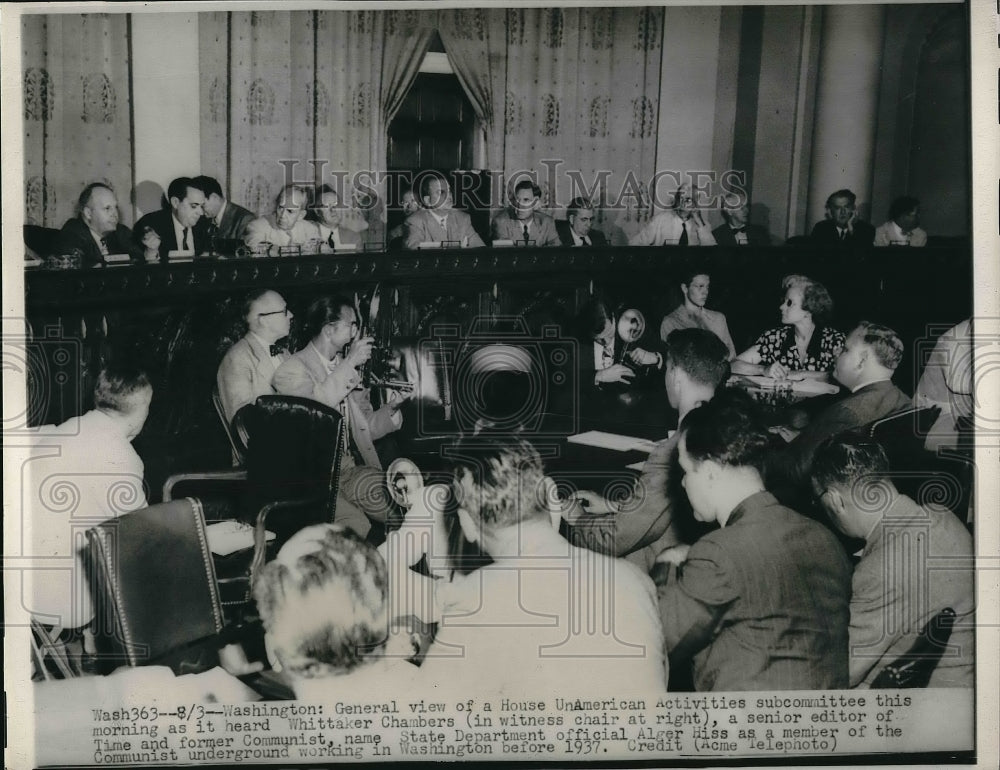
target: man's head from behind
840 207
871 353
98 208
323 602
213 194
186 200
697 363
124 393
850 478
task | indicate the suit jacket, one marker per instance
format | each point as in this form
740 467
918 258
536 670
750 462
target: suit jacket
863 234
872 402
265 229
543 229
234 222
422 226
756 236
761 603
76 235
244 374
597 238
304 374
162 222
668 227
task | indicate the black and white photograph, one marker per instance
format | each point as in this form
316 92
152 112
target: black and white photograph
575 383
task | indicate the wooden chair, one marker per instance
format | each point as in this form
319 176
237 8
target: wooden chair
914 668
236 432
46 646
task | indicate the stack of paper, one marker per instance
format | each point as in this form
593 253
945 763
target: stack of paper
229 536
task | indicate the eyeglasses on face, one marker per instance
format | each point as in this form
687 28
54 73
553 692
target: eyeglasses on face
283 311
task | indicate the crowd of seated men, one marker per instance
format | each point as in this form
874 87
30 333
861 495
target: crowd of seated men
725 566
197 219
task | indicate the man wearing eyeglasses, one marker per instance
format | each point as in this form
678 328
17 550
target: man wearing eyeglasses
682 225
286 226
327 370
248 366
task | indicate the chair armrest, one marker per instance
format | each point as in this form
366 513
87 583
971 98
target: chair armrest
178 478
260 530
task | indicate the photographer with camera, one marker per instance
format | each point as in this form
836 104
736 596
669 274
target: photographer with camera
327 370
606 357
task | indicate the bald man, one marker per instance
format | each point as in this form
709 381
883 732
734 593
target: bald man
96 231
287 225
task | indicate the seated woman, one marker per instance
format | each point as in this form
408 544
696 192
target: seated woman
604 360
804 345
692 313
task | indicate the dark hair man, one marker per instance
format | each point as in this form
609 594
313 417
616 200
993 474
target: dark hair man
522 221
229 219
903 226
841 225
437 221
177 228
578 230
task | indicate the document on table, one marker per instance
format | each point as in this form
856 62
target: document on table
226 537
614 441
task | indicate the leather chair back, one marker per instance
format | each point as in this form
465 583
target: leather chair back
915 667
156 589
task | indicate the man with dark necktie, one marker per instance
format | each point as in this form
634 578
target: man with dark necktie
96 231
680 225
841 226
523 222
438 222
177 228
576 230
226 219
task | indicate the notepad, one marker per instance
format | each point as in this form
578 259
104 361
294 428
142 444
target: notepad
429 245
347 247
229 536
502 243
112 259
614 441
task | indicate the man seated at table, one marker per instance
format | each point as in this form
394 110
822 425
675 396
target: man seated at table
760 603
680 225
95 230
178 228
286 226
917 561
326 370
437 221
578 230
865 367
249 365
325 608
511 627
329 214
96 460
692 313
523 221
841 225
903 227
409 204
228 219
641 525
737 230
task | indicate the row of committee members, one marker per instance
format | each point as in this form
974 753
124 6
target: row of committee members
197 218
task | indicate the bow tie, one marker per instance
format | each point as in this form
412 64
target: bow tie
740 229
277 350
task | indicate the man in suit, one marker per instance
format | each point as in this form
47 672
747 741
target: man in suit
896 588
177 228
326 370
286 226
228 219
249 365
865 367
680 225
523 222
841 225
96 231
737 229
576 230
437 221
329 214
762 602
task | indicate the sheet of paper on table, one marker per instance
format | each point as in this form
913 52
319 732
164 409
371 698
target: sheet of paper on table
808 386
230 536
614 441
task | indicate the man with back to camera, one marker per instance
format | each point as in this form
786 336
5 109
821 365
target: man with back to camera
841 226
641 525
762 602
286 226
680 225
437 221
578 230
865 367
249 365
228 219
177 228
96 231
523 222
917 561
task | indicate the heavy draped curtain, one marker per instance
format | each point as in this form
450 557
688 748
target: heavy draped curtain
76 112
305 96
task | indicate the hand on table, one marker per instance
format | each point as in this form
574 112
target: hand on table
614 373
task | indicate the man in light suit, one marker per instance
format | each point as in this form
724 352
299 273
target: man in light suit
286 226
249 365
177 228
438 221
326 370
229 219
329 214
523 222
576 230
680 225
